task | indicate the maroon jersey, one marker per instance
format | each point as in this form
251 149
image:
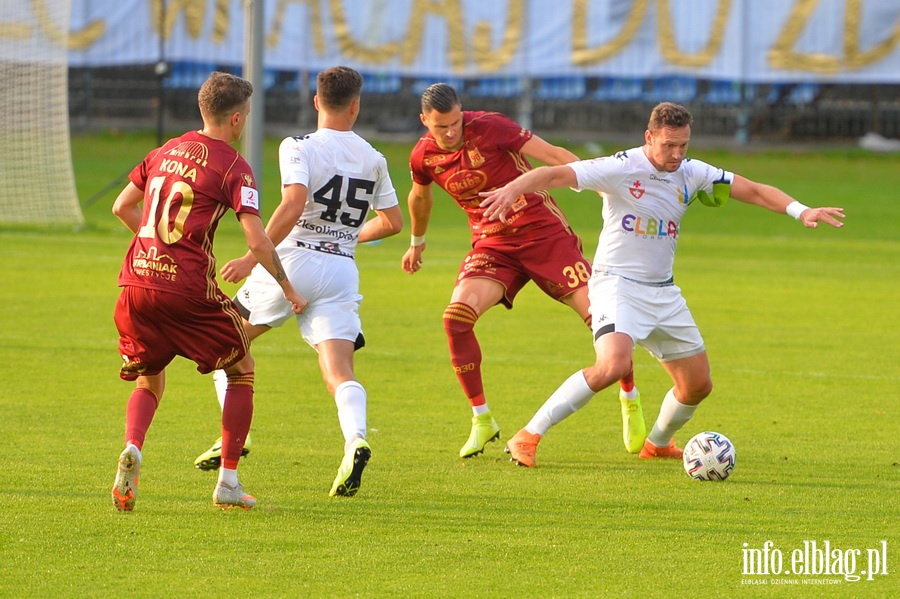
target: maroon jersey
488 158
189 183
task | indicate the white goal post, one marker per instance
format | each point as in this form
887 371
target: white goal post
37 182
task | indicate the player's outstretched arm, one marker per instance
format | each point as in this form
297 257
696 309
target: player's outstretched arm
263 250
776 200
285 216
498 202
546 152
420 202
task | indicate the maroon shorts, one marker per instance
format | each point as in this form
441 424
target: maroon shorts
550 256
155 326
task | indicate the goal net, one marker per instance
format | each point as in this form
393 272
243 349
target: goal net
37 183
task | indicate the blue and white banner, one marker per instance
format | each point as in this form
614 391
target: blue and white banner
763 41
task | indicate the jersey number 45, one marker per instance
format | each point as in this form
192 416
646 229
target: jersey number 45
357 208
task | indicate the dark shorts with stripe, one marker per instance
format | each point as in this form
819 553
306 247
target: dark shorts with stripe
155 326
552 257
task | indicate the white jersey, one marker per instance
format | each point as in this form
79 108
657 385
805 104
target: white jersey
345 177
642 210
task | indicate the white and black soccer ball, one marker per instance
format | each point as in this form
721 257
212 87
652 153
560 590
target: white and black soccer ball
709 456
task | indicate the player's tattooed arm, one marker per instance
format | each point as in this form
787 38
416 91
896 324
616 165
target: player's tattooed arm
279 273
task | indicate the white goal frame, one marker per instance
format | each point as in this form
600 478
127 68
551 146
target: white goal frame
37 180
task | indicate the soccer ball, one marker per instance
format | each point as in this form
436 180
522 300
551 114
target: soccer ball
709 456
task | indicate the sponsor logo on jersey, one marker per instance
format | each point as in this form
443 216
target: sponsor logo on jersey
637 190
465 183
153 264
191 151
647 226
326 230
435 158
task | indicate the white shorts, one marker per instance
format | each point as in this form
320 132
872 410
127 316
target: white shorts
329 283
654 316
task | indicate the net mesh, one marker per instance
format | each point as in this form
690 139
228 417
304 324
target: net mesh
37 182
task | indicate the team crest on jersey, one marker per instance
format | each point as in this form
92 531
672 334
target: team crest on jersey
475 158
636 190
248 180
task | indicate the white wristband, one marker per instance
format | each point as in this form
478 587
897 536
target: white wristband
417 240
795 209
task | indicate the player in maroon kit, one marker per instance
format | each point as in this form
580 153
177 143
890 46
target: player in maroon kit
170 304
466 152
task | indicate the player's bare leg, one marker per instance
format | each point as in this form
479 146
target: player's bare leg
634 428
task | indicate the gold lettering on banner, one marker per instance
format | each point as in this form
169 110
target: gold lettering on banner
77 40
314 20
220 21
351 48
14 31
852 26
669 47
87 37
452 14
783 56
194 15
583 55
486 57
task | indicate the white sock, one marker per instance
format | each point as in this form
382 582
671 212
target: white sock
672 416
136 451
479 410
220 380
570 397
228 476
350 398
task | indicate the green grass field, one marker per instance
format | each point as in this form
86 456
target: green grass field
802 332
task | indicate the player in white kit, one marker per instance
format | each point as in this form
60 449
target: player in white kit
634 300
330 179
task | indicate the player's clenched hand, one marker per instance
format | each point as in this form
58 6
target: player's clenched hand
238 269
412 259
497 202
811 217
298 302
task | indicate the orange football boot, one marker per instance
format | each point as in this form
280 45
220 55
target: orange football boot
652 451
522 447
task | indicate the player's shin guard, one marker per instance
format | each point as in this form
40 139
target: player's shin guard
236 417
465 353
